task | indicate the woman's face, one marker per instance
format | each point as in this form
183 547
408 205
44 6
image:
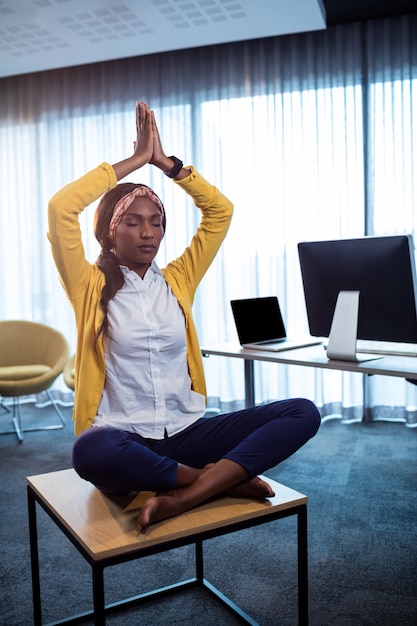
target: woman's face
139 235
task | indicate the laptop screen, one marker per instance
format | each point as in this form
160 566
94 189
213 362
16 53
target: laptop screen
258 319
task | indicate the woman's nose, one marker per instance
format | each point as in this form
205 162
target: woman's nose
147 231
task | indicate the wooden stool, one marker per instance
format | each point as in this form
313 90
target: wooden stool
104 531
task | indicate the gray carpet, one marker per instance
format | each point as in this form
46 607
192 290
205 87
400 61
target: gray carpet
361 482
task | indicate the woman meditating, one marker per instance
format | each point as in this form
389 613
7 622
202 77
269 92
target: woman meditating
140 395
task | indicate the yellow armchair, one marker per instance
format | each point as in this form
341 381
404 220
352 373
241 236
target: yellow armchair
32 356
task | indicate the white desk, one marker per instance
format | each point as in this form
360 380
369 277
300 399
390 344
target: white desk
312 356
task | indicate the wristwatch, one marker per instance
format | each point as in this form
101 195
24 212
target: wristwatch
175 170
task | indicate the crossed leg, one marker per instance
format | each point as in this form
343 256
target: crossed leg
223 477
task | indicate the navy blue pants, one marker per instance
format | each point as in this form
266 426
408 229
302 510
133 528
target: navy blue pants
257 438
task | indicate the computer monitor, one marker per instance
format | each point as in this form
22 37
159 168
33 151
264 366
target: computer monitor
376 280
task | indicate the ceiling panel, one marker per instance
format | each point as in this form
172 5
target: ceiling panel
39 35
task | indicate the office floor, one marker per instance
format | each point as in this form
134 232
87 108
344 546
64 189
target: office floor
361 482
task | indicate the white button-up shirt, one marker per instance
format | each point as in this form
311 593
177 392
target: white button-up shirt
148 388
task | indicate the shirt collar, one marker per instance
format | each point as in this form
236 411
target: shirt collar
153 269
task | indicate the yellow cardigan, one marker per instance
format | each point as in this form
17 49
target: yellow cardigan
83 281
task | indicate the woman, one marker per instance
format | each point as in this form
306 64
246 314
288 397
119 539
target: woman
139 383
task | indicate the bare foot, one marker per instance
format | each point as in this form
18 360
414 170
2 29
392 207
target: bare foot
160 507
172 503
252 488
223 477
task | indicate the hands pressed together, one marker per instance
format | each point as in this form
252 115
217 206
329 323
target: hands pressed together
147 146
147 137
148 143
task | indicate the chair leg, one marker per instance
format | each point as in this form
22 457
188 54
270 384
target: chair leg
17 419
4 406
57 409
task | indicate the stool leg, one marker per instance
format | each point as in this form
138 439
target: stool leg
98 596
302 567
34 560
199 561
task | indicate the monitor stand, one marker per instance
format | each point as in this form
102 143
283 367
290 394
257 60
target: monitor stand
344 330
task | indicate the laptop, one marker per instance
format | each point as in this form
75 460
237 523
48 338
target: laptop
260 326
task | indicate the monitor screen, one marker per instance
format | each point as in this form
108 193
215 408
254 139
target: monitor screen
381 269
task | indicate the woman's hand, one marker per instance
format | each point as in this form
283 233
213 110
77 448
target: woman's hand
147 147
159 158
143 145
148 142
145 125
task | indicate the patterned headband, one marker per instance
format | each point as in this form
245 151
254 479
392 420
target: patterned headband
124 203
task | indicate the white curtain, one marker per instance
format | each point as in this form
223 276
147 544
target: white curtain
310 135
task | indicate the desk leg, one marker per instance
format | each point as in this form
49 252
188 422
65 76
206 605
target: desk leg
302 567
34 560
249 383
367 409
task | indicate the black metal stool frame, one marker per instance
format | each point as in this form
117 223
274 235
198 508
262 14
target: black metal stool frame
98 566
